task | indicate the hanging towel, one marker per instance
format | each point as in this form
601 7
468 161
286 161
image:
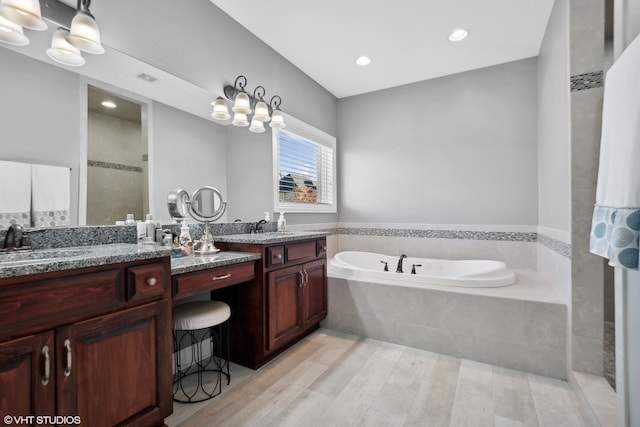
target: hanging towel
15 194
616 216
50 195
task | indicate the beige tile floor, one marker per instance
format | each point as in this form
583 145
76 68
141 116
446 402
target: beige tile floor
333 379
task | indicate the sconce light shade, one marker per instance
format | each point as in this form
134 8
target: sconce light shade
256 126
262 112
242 104
25 13
277 120
85 34
11 33
63 52
220 109
240 119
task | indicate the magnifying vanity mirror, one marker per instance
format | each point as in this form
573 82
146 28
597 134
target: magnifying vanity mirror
205 205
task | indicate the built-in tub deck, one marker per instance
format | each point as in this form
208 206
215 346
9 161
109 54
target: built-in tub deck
522 326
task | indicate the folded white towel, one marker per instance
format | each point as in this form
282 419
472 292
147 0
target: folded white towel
15 194
616 217
51 195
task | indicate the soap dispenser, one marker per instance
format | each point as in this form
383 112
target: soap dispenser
282 222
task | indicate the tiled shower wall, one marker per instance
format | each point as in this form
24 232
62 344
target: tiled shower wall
587 270
117 170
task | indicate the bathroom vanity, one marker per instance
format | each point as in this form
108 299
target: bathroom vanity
285 301
87 332
92 342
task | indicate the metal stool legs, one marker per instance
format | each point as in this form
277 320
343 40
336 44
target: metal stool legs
205 386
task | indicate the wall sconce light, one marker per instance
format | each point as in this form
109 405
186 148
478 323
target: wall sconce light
243 104
84 32
64 52
77 32
11 33
23 13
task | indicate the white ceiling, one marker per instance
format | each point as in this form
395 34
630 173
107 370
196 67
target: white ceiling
407 39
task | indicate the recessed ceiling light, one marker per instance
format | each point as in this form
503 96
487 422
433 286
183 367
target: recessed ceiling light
458 35
363 61
108 104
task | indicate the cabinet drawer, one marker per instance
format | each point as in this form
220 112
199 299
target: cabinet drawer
321 247
188 284
302 250
275 256
145 282
33 306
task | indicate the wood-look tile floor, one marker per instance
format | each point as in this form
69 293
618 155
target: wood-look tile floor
333 379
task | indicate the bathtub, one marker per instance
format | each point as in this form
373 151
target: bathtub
458 308
463 273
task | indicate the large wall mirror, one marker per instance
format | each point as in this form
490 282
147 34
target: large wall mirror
53 119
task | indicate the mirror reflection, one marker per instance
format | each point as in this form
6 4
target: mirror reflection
206 202
117 159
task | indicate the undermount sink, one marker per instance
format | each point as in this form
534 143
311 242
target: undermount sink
13 259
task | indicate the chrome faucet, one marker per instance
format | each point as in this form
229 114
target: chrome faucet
399 268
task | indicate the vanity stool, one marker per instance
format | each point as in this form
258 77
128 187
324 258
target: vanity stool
198 326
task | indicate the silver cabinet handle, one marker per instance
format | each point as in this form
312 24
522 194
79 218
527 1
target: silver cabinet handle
301 278
67 369
47 365
224 276
151 281
279 256
306 277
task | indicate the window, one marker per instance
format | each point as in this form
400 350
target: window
304 165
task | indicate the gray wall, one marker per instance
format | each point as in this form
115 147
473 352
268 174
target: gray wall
554 122
460 149
187 152
40 115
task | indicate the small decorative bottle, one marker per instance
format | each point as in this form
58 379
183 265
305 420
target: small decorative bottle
185 237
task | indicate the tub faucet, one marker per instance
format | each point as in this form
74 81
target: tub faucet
399 268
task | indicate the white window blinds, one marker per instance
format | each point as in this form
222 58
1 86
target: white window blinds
305 172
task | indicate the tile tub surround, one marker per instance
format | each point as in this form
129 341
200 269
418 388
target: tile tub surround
514 245
522 326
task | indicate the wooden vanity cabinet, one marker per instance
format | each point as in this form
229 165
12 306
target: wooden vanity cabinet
92 342
286 300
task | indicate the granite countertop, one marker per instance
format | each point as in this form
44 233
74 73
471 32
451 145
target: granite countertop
48 260
270 237
192 263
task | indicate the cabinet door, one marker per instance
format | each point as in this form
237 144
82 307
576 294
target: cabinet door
314 293
285 315
116 369
25 387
